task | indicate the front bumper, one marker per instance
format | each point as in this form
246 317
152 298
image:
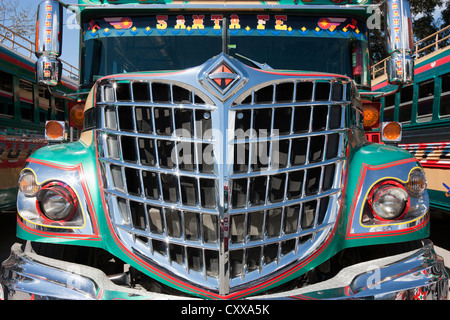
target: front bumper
419 274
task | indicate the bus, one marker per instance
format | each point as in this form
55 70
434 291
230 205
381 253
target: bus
423 110
25 108
223 157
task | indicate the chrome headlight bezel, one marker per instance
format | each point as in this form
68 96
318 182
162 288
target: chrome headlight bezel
388 200
62 183
409 196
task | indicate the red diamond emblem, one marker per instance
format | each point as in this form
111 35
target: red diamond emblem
223 77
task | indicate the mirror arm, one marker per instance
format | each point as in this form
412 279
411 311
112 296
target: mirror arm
379 95
67 96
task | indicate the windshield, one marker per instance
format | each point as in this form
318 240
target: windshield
172 42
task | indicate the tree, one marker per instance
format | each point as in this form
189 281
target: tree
21 20
445 21
424 24
424 27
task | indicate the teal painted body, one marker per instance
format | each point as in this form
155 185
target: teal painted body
361 154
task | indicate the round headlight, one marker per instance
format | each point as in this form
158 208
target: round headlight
417 183
28 184
57 202
389 201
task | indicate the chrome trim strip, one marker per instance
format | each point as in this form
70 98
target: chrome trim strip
162 105
162 204
26 275
415 275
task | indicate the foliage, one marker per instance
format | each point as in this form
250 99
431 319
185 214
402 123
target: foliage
21 21
425 23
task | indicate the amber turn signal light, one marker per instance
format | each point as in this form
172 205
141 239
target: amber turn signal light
54 130
371 112
77 115
391 131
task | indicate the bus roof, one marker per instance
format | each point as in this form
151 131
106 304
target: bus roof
359 8
230 2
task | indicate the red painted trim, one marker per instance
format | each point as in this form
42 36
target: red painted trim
6 94
141 75
428 66
91 207
428 147
432 65
59 235
14 164
380 85
302 74
357 195
17 62
437 165
390 183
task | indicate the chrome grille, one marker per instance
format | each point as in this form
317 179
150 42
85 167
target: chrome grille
287 163
152 195
222 225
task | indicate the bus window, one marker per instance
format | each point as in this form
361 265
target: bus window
6 95
389 106
445 97
26 100
426 97
60 110
406 97
44 105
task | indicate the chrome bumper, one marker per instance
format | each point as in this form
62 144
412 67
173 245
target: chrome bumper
418 274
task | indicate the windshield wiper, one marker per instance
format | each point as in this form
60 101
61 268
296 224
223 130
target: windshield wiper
263 66
226 48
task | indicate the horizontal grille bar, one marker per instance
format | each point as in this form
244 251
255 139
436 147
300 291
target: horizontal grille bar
307 92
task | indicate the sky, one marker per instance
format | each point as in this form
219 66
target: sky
70 51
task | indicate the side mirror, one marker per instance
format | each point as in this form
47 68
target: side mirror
49 29
400 42
48 71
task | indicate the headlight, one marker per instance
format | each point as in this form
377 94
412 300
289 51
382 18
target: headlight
57 201
389 200
28 184
417 183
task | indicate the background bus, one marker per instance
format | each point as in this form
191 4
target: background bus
423 109
24 109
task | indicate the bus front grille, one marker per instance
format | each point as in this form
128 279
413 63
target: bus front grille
221 194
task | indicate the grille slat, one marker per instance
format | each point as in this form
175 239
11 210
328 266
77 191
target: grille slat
287 157
309 126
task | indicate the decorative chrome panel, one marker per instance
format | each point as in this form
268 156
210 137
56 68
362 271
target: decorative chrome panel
222 188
